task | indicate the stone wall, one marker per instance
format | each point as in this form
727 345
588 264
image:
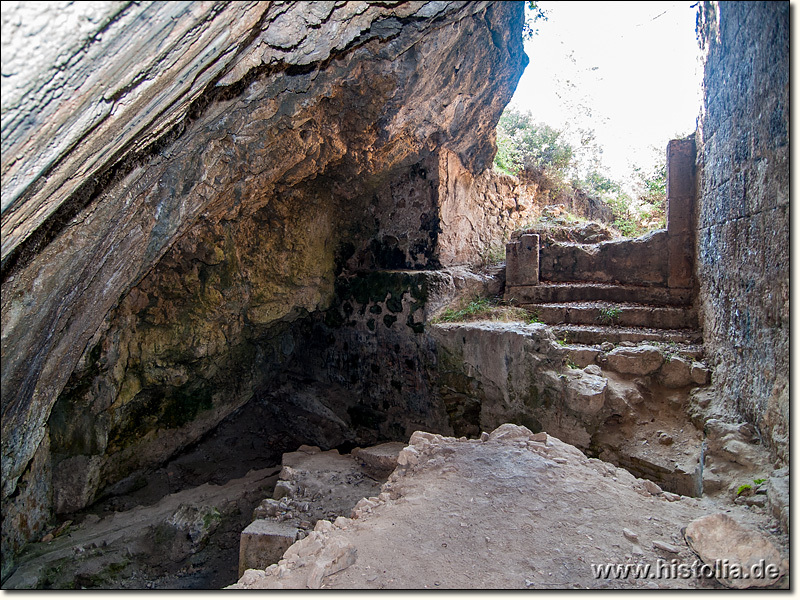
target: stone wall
478 213
664 257
640 261
743 215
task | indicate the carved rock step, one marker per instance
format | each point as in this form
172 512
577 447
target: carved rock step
597 334
583 355
609 313
578 291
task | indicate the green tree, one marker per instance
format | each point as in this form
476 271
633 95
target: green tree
525 145
533 13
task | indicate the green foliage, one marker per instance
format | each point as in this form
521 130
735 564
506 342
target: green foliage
634 216
493 255
609 315
759 481
571 363
533 317
533 13
743 488
598 184
475 307
486 309
524 144
545 155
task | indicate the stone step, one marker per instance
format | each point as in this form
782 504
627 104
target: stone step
583 355
581 291
597 334
618 314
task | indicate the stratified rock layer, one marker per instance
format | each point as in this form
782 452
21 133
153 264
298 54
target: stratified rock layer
169 208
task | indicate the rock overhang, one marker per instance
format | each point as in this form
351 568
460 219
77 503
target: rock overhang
227 122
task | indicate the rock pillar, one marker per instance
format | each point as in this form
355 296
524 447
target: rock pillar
522 261
680 211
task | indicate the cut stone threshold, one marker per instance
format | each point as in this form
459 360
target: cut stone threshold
618 314
582 291
597 334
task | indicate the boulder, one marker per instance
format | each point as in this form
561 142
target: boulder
586 394
741 558
676 372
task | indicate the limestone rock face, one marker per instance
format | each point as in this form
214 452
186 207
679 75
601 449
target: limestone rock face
181 181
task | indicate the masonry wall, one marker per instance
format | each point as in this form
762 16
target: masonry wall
743 213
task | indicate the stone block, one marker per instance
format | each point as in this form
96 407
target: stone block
378 461
680 210
700 373
640 360
263 543
522 261
587 394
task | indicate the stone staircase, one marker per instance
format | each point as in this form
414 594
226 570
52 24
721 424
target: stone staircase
617 291
588 313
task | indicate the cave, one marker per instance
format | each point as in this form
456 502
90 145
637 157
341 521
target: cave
229 232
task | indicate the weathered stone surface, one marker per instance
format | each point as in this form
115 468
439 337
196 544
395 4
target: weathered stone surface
734 446
589 232
638 360
522 260
640 261
479 212
164 542
700 374
586 393
242 145
263 542
463 503
676 372
719 538
380 460
490 373
778 495
743 218
681 184
75 482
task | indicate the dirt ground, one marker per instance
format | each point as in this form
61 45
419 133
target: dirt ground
508 512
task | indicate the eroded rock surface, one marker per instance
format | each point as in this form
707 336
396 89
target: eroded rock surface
512 510
168 219
743 217
187 540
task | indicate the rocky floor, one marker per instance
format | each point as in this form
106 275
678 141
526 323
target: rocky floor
234 467
517 510
186 540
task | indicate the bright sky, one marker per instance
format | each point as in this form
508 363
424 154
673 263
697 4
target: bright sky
628 70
